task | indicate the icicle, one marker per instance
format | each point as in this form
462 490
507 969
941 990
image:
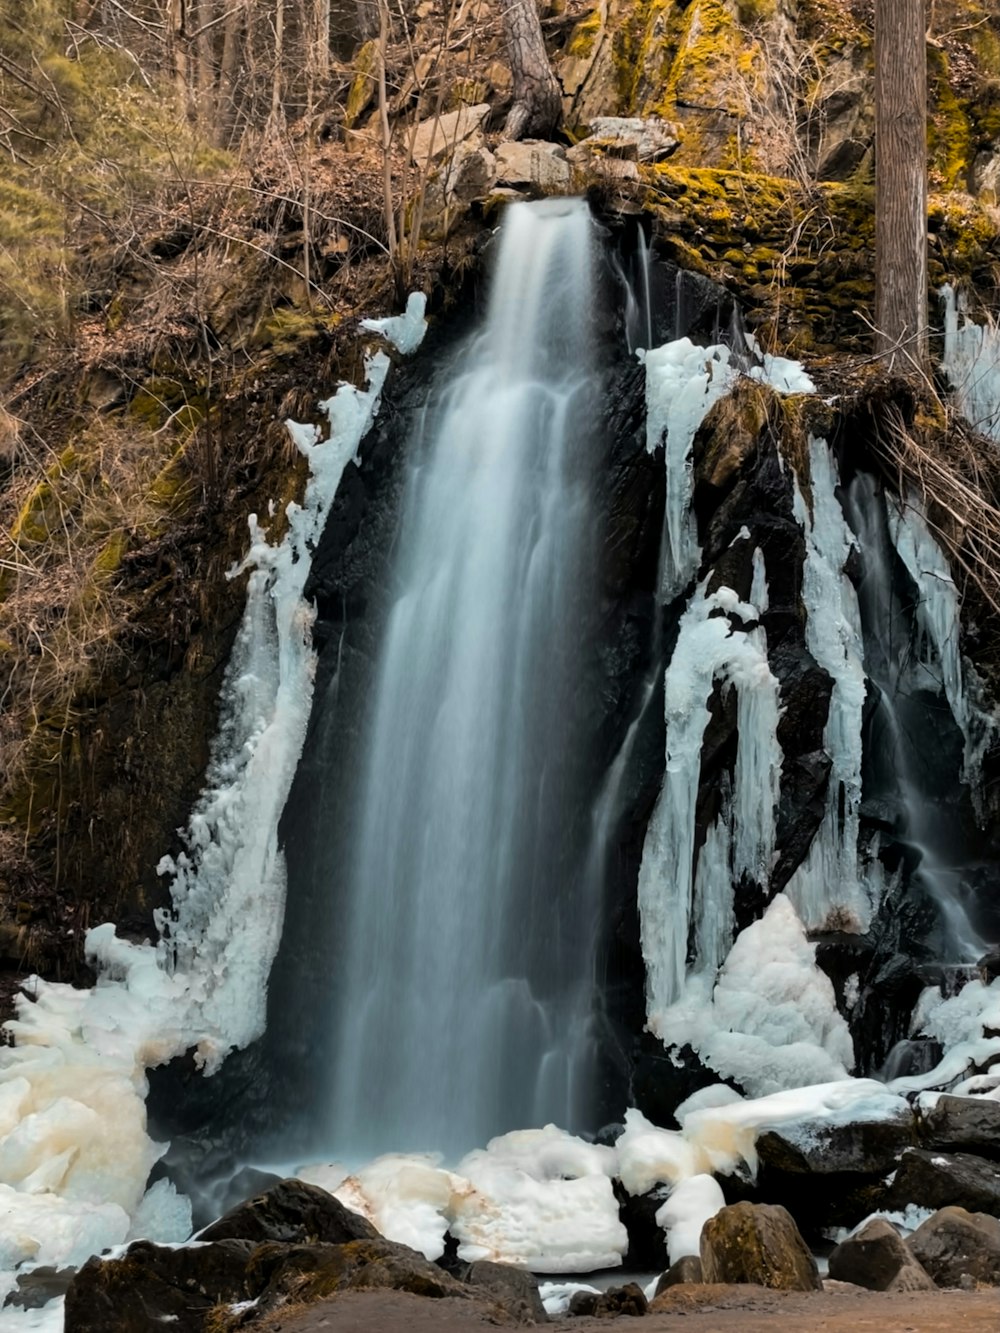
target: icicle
683 382
707 648
939 622
229 885
827 881
758 588
972 363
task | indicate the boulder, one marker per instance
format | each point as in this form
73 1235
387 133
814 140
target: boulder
469 174
311 1272
292 1212
593 157
937 1179
686 1270
650 138
627 1300
758 1243
956 1244
877 1257
863 1147
533 162
157 1285
962 1122
512 1288
437 137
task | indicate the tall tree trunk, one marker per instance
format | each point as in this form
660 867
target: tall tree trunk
277 91
901 182
537 108
177 37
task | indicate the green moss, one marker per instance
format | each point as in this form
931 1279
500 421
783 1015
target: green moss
362 88
109 558
288 329
949 130
584 36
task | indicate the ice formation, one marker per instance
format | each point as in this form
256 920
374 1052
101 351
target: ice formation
828 878
695 1200
709 648
939 622
405 331
972 363
769 1019
683 381
538 1198
74 1151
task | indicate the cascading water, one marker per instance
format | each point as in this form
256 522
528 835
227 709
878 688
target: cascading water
909 722
463 1005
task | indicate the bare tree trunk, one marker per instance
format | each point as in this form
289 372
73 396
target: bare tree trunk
227 100
177 38
367 12
900 182
537 108
279 63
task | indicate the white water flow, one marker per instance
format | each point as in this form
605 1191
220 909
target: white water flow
465 991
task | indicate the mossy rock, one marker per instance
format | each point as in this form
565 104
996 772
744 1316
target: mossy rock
362 89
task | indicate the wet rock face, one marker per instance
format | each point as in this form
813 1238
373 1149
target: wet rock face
962 1122
152 1285
759 1243
863 1147
956 1244
877 1257
293 1211
936 1180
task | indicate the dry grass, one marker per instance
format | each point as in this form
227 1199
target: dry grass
955 473
67 522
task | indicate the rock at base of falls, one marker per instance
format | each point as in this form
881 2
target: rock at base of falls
954 1244
685 1271
877 1257
758 1243
864 1147
936 1179
962 1122
627 1300
293 1211
278 1259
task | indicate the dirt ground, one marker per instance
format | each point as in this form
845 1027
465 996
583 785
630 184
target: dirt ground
693 1310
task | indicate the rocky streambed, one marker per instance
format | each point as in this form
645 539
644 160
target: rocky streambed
295 1257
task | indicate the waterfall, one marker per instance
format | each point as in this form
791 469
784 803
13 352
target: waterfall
461 1009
